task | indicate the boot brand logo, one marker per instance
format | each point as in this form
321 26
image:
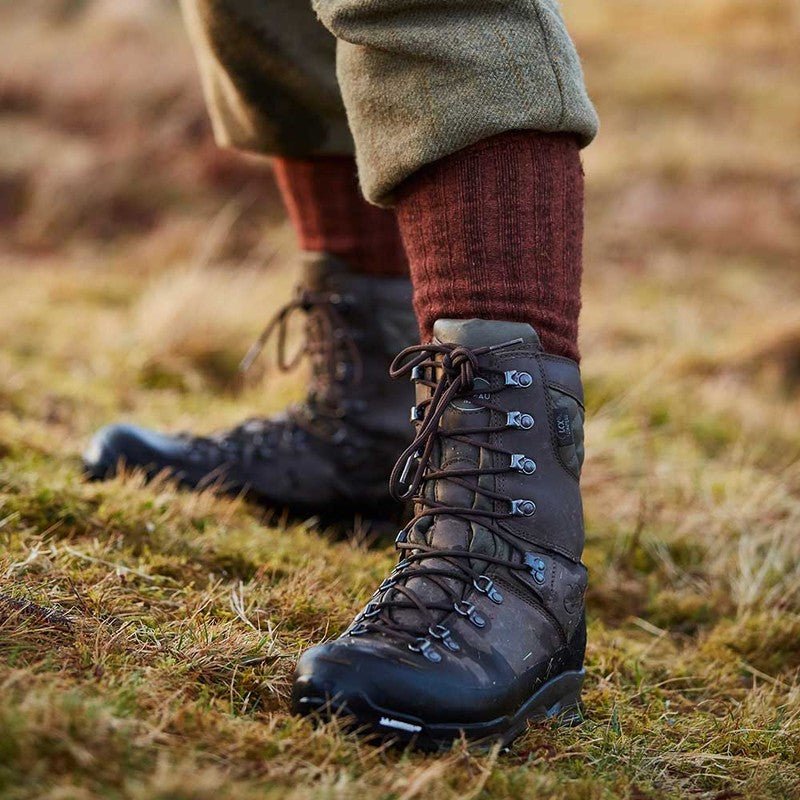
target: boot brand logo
479 392
564 435
573 600
399 725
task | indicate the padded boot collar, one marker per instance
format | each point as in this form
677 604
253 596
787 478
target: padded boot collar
474 333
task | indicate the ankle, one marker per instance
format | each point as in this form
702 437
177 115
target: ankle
329 214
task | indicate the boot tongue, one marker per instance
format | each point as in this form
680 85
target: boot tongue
323 272
474 333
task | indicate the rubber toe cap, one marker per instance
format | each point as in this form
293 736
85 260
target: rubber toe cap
128 445
364 678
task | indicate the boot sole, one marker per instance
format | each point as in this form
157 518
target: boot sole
385 512
558 699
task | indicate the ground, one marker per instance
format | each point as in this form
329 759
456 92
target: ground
147 635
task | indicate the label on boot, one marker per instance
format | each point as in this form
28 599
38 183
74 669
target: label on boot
480 391
564 435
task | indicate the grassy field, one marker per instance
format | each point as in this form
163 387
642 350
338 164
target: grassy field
147 635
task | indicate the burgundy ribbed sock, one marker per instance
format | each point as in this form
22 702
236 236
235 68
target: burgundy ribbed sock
495 231
329 214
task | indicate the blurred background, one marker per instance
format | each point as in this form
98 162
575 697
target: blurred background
128 239
137 263
135 250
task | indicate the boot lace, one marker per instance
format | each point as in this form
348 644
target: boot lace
415 476
335 362
326 337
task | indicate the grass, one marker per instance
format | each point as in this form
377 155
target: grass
147 635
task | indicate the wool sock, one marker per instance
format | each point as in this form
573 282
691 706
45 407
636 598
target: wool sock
495 231
329 214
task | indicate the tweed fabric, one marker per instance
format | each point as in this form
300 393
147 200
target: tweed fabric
420 79
268 70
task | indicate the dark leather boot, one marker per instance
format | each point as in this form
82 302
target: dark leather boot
480 627
334 451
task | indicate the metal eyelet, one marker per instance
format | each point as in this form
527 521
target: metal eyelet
523 464
342 371
521 380
443 634
417 374
468 610
340 436
359 630
389 583
523 508
425 646
485 585
417 414
537 567
343 300
370 612
518 419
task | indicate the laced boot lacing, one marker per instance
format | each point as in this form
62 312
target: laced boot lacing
330 347
458 367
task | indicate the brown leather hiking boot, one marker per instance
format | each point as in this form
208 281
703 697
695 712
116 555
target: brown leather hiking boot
480 627
333 452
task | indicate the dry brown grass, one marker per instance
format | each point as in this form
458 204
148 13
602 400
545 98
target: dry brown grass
147 635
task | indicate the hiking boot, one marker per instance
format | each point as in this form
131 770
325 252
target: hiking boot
333 452
480 628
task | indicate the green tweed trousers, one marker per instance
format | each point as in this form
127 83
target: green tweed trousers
400 83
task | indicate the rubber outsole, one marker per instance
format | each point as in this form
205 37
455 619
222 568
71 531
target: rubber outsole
386 514
558 698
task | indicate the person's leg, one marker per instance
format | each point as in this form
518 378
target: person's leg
330 215
268 71
269 75
468 116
